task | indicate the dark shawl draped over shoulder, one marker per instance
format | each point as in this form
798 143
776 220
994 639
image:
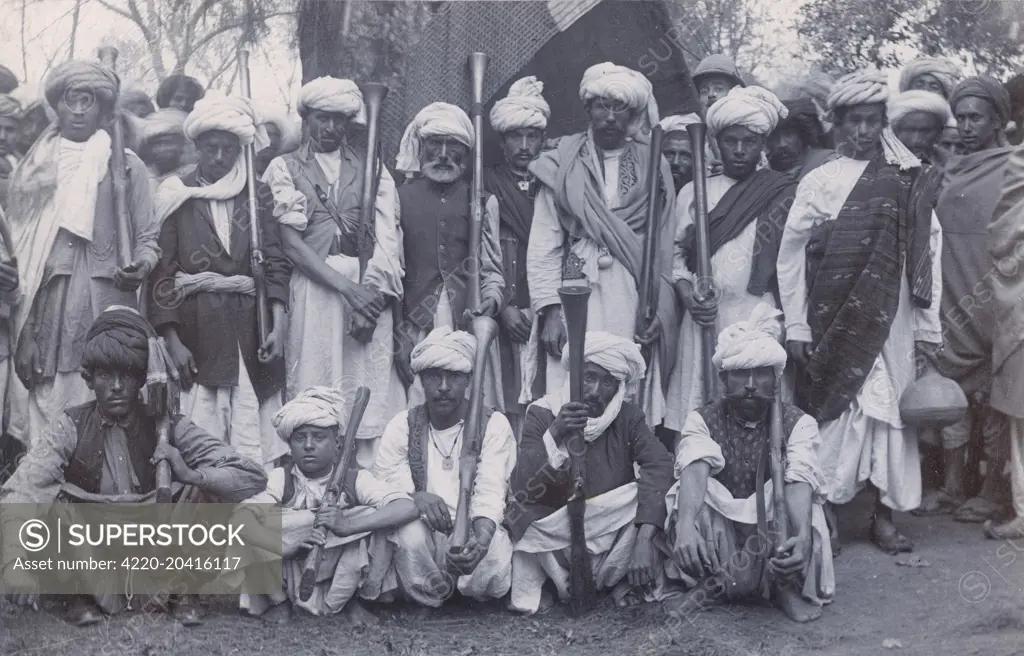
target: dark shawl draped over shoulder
766 196
854 265
516 207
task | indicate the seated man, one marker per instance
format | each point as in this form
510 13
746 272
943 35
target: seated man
721 537
357 529
625 509
106 451
419 455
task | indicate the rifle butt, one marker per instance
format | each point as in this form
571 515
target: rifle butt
310 569
777 459
163 468
582 588
460 525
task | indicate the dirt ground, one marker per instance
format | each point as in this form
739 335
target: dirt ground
968 600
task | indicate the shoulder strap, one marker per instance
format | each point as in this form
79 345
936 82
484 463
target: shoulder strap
289 486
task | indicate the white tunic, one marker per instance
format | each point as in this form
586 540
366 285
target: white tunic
868 442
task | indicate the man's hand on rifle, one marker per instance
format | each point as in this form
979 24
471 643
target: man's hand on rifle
403 358
366 300
131 277
273 348
182 358
182 472
703 310
362 328
466 561
8 276
433 511
314 539
571 419
552 335
798 352
334 519
791 557
516 324
28 360
487 308
651 334
698 556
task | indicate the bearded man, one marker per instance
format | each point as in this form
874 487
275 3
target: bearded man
588 225
933 74
917 119
520 118
855 320
966 209
358 527
61 208
203 298
747 212
721 543
797 145
162 146
419 455
626 471
107 451
677 148
10 124
434 214
340 326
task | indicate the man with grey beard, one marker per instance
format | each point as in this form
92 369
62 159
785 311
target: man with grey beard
434 219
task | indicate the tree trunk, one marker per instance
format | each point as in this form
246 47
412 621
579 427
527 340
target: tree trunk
321 50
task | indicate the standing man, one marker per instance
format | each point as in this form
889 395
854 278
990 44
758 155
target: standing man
419 456
715 76
626 471
933 74
677 149
10 124
435 220
520 119
162 146
202 293
917 119
747 212
340 327
854 322
797 145
966 209
179 91
589 222
61 208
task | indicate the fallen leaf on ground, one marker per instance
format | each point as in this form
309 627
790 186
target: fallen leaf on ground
892 643
913 561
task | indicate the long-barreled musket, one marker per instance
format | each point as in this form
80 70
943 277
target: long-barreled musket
582 588
119 177
373 97
703 288
334 490
483 328
647 307
778 460
255 232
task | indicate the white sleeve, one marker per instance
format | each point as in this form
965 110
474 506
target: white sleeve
696 444
791 265
497 460
684 218
371 491
802 463
557 455
392 462
927 321
289 202
544 252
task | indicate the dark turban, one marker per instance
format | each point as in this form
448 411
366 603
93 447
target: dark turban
77 74
988 88
177 81
118 339
8 82
803 119
801 106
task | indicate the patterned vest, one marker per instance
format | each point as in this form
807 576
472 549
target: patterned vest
743 447
419 438
436 243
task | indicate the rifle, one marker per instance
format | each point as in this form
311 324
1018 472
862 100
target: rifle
703 288
255 233
647 306
483 328
373 97
582 588
334 490
778 459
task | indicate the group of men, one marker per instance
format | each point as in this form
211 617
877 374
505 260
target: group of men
854 244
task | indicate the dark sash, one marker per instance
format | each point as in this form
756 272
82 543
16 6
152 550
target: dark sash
516 207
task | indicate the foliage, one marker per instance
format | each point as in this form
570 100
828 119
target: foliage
845 35
733 27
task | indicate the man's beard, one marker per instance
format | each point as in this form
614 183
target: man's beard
749 407
442 171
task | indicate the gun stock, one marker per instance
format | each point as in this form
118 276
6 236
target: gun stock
647 306
334 490
704 288
778 460
118 171
373 97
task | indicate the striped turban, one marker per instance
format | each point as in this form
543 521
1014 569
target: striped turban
753 343
9 107
331 94
678 122
943 70
322 407
444 348
435 120
755 108
988 88
906 102
860 88
232 114
77 74
622 86
523 107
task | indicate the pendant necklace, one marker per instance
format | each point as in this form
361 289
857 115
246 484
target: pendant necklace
447 459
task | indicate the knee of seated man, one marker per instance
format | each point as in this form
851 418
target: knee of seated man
412 536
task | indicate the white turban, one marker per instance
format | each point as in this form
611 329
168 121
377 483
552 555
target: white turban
619 356
870 87
755 108
317 406
622 85
329 94
753 343
524 107
435 120
444 348
943 70
678 122
918 101
286 125
232 114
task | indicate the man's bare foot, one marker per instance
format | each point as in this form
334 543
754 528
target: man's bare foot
357 616
888 538
547 601
704 596
1010 530
936 502
280 614
794 605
